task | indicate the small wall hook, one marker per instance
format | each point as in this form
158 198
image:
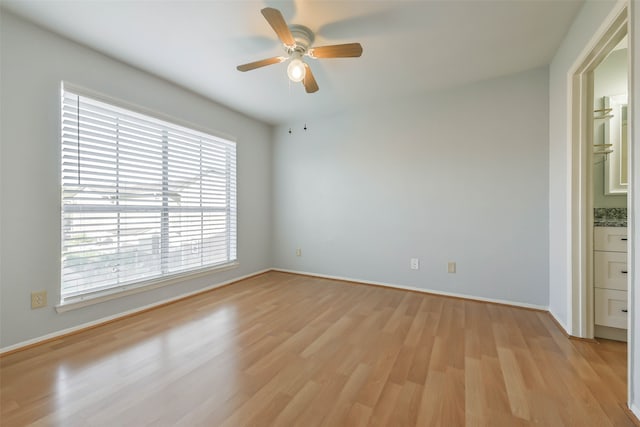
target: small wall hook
290 131
305 127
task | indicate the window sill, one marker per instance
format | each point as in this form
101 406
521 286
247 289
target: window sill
75 303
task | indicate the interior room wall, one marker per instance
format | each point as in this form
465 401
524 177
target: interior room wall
33 64
609 78
585 25
460 175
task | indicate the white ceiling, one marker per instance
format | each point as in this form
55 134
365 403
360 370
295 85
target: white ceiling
409 46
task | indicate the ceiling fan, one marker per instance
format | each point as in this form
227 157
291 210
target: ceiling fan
297 41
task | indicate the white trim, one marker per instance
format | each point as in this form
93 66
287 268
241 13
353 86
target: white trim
634 288
613 135
125 313
604 28
578 315
411 288
559 321
85 300
635 409
570 203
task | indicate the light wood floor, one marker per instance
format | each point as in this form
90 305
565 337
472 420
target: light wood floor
281 349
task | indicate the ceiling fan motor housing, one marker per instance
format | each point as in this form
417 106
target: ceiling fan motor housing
303 37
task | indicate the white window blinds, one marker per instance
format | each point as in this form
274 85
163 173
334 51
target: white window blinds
142 198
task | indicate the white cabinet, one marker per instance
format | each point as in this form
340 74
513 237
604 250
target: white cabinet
611 308
610 270
610 276
611 239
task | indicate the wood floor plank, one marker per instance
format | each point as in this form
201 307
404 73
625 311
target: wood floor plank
338 414
407 406
385 405
452 411
358 415
514 382
431 400
284 349
297 404
475 402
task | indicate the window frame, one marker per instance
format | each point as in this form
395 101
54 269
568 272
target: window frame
120 290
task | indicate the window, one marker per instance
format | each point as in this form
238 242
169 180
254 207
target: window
142 198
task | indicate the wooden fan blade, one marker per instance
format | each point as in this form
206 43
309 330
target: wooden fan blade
279 25
310 84
348 50
262 63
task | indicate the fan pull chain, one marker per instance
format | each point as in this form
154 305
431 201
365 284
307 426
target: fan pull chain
290 131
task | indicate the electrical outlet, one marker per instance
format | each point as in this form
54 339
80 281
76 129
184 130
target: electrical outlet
451 267
38 299
298 252
415 263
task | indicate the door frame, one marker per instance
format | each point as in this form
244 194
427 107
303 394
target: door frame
580 130
581 136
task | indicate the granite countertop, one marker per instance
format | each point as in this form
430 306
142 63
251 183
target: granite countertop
610 217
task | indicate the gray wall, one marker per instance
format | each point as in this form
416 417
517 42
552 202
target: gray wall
33 64
459 175
610 78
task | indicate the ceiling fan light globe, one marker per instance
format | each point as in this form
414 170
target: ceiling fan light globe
296 70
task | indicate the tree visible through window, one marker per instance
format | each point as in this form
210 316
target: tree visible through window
141 198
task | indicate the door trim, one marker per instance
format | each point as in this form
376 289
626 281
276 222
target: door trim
580 84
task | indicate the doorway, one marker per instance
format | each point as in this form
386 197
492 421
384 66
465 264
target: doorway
610 183
584 154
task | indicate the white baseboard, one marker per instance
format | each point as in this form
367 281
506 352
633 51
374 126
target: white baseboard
560 322
107 319
635 409
426 291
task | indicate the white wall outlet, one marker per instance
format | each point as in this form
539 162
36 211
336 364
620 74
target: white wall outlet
38 299
415 263
298 252
451 267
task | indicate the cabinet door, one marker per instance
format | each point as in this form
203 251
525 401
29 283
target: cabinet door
610 239
610 270
611 308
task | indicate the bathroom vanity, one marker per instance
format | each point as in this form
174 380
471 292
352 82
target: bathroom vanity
610 278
